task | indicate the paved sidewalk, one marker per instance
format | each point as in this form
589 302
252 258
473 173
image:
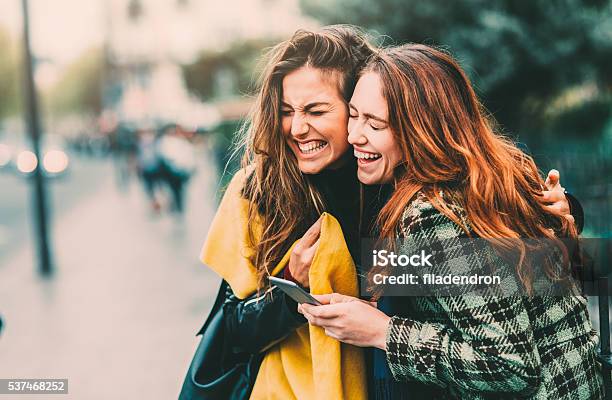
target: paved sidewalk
119 317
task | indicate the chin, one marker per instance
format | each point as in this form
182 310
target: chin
371 179
311 168
366 180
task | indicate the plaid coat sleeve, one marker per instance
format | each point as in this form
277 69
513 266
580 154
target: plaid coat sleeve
482 344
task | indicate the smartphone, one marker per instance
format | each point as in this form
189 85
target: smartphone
294 291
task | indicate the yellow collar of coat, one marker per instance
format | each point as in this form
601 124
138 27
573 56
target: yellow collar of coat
307 364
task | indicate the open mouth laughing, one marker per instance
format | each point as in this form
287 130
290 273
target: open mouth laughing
364 157
312 146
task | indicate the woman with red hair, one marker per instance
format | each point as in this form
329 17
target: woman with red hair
415 122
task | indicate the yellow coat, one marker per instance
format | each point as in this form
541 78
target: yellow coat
307 364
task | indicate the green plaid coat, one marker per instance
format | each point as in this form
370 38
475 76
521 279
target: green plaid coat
488 347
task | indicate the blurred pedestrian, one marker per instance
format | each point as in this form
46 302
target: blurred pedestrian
149 165
177 162
123 147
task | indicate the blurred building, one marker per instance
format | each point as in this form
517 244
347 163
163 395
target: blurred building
147 41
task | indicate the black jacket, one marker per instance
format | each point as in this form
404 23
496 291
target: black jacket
256 323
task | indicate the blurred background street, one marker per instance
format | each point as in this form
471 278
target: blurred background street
111 166
119 317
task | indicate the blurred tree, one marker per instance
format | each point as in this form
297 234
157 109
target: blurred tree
523 56
9 76
218 74
79 88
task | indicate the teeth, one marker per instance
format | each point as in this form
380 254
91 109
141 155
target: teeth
312 147
367 156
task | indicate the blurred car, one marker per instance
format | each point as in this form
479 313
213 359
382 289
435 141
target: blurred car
17 155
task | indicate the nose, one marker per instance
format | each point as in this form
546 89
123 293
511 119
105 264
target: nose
355 136
299 126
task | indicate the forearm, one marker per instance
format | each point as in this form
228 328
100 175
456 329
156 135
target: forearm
495 357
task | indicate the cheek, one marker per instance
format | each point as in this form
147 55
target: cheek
286 126
336 133
396 156
349 125
339 141
390 149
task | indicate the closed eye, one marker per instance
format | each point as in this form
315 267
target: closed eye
353 113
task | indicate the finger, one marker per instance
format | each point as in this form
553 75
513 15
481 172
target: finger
558 208
310 252
552 196
311 320
336 298
315 245
570 218
552 179
307 258
323 298
326 311
312 310
321 322
551 209
305 307
332 334
312 234
340 298
307 315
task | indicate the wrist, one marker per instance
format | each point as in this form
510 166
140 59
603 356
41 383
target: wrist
381 340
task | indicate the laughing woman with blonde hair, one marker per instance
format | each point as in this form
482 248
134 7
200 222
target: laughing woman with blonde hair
298 170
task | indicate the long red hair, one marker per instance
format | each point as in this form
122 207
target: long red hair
450 146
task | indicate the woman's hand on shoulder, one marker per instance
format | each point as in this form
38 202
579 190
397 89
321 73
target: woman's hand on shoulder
553 197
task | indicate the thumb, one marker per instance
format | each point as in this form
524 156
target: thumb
315 245
340 298
323 298
552 179
312 234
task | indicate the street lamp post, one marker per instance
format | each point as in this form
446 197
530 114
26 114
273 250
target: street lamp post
33 124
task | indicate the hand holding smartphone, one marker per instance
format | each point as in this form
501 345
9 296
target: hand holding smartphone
294 291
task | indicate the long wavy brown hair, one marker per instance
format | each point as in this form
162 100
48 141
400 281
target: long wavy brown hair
283 199
450 145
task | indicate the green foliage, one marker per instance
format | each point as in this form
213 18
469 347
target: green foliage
590 116
239 61
520 54
80 87
9 76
